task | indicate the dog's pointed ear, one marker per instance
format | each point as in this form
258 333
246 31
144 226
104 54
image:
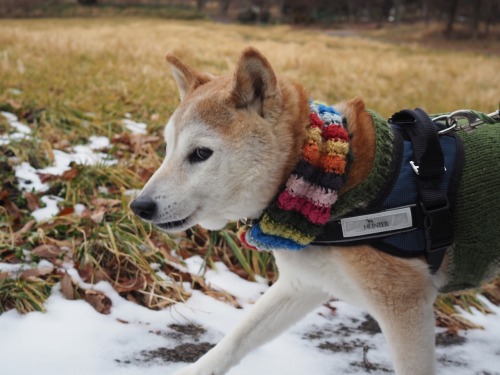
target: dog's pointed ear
255 85
187 79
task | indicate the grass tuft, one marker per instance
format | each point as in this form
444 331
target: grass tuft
25 295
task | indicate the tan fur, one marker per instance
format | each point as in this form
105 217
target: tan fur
255 123
362 145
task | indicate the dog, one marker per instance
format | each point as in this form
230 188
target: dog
232 143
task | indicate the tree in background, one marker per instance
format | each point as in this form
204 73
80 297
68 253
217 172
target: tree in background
87 2
224 7
200 4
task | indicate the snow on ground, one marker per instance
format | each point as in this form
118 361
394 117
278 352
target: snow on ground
29 177
135 127
72 338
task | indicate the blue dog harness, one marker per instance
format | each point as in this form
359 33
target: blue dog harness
412 217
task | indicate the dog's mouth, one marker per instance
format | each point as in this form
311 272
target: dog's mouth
175 225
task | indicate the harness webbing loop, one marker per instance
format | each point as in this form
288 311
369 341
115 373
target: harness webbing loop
430 162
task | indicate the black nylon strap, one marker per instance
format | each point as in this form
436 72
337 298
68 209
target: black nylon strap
430 162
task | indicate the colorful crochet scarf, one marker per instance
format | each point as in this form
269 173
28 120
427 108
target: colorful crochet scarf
298 213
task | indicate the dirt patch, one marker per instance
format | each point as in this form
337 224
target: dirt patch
370 326
343 346
368 366
327 332
445 360
449 339
187 352
181 353
179 331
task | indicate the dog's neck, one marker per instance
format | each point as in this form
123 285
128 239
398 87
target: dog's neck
300 210
364 175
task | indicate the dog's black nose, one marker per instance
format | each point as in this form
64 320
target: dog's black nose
145 208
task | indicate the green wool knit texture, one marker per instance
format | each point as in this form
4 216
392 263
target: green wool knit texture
476 218
367 191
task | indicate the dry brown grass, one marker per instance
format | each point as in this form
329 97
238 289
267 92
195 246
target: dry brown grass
70 79
68 60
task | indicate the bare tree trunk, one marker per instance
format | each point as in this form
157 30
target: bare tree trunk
224 7
425 11
350 12
477 18
281 6
200 4
490 14
397 11
452 14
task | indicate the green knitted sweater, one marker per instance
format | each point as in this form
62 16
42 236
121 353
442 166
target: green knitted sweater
476 250
475 255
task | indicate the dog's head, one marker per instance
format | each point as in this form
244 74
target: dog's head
225 155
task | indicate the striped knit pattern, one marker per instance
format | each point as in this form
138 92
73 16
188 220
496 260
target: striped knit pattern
298 213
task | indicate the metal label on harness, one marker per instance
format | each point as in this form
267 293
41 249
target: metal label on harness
377 223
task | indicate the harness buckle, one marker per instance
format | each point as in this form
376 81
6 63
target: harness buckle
415 167
438 228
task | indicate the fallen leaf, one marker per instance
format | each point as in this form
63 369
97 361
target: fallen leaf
63 244
97 215
3 275
98 301
86 272
18 236
71 174
32 200
35 273
100 202
47 177
130 285
124 137
137 141
67 287
66 211
13 211
47 251
4 194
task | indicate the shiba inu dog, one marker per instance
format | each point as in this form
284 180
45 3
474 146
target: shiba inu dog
232 144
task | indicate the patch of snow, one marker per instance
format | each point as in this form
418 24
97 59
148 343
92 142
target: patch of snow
14 122
28 178
15 91
79 208
51 209
61 164
103 190
222 279
13 268
72 338
132 193
4 140
135 127
84 154
195 265
98 142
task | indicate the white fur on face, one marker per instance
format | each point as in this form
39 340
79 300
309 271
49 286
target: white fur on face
210 192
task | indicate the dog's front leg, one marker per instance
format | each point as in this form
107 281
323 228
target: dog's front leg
281 306
410 335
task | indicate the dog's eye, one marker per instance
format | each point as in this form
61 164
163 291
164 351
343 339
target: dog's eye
200 154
